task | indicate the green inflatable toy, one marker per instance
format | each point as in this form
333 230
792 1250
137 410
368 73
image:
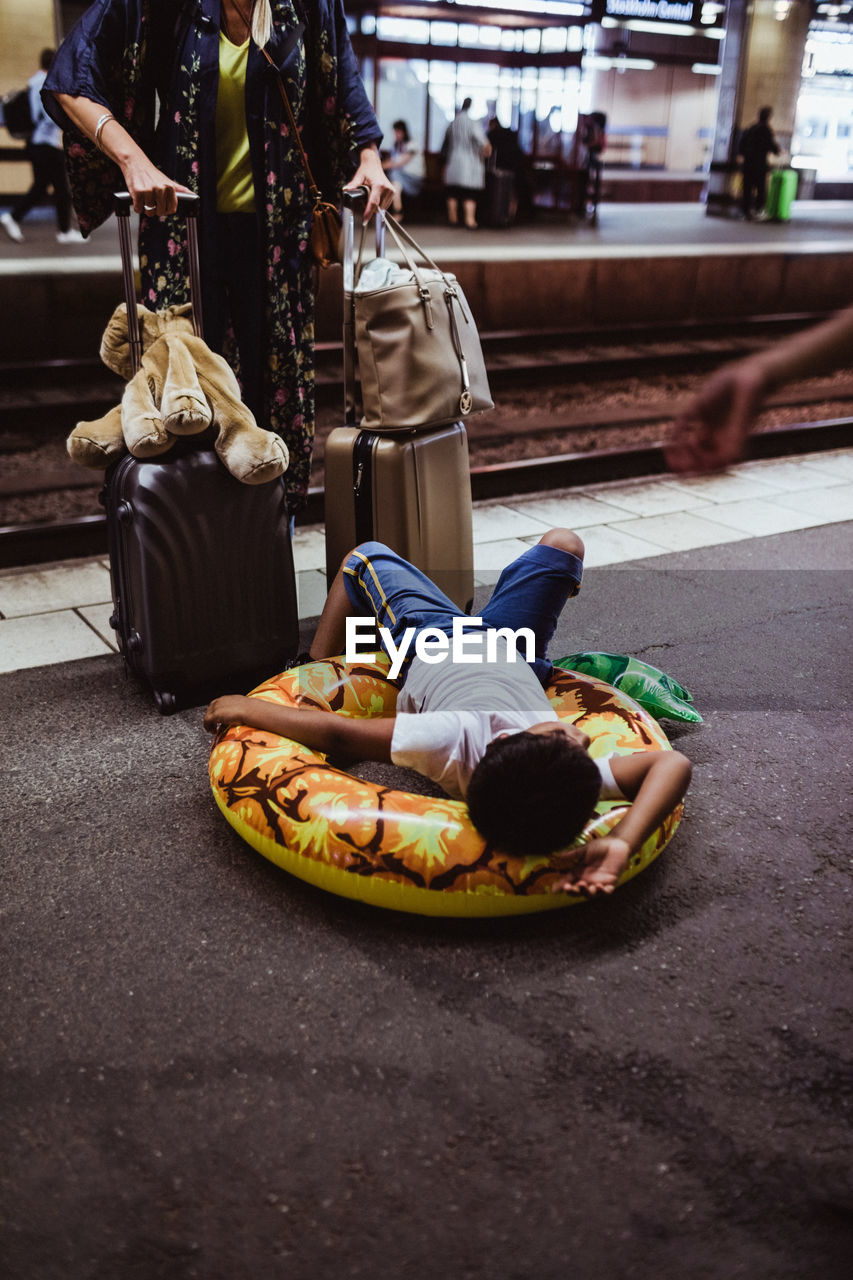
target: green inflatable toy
657 692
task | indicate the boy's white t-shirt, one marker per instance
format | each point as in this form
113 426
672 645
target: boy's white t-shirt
448 713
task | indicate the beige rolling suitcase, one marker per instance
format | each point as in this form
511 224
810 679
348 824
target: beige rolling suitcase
410 489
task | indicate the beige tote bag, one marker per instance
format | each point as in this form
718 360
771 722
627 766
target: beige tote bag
419 357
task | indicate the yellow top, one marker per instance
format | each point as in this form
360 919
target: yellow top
235 191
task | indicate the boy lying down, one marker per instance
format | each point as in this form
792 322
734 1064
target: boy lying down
483 728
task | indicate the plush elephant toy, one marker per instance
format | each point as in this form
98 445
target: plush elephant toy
181 388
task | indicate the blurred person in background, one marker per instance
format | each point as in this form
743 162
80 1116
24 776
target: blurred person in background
756 143
44 151
405 166
464 153
506 174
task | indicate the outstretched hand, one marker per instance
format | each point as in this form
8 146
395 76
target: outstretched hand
592 868
712 429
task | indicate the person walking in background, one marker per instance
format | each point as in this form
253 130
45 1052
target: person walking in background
464 153
405 166
44 151
755 144
223 132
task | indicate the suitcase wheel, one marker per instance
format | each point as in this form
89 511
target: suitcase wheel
165 703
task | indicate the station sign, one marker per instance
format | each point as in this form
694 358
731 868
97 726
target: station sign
680 11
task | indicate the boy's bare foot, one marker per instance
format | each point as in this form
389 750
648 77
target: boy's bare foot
592 868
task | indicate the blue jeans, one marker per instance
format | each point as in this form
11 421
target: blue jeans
531 592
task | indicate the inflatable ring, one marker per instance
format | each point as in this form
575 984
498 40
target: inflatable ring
389 847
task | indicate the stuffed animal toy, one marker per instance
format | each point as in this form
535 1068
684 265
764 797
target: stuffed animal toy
115 344
181 388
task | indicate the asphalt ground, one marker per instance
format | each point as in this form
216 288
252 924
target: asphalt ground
214 1070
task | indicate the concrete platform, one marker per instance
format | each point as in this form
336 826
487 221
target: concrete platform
643 263
58 613
213 1071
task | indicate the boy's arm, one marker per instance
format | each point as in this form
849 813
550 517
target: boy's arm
323 731
654 781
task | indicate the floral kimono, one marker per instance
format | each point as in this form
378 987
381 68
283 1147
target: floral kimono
159 58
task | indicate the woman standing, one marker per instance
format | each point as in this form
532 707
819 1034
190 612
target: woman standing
466 149
197 70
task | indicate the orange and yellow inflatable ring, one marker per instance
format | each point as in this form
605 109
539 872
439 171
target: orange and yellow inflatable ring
392 848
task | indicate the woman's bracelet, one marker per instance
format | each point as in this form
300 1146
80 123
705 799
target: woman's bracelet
99 127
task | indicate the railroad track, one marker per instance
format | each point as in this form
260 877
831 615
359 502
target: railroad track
42 399
481 434
579 445
39 542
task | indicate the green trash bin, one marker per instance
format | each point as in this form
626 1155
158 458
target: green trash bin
781 195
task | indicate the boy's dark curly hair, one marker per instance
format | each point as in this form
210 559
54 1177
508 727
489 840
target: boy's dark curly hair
532 793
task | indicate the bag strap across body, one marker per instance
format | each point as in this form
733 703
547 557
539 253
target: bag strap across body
316 194
294 37
326 220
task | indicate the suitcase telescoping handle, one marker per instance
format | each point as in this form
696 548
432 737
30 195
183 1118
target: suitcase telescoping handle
123 206
353 203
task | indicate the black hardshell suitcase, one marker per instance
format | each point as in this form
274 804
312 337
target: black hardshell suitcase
204 590
408 489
